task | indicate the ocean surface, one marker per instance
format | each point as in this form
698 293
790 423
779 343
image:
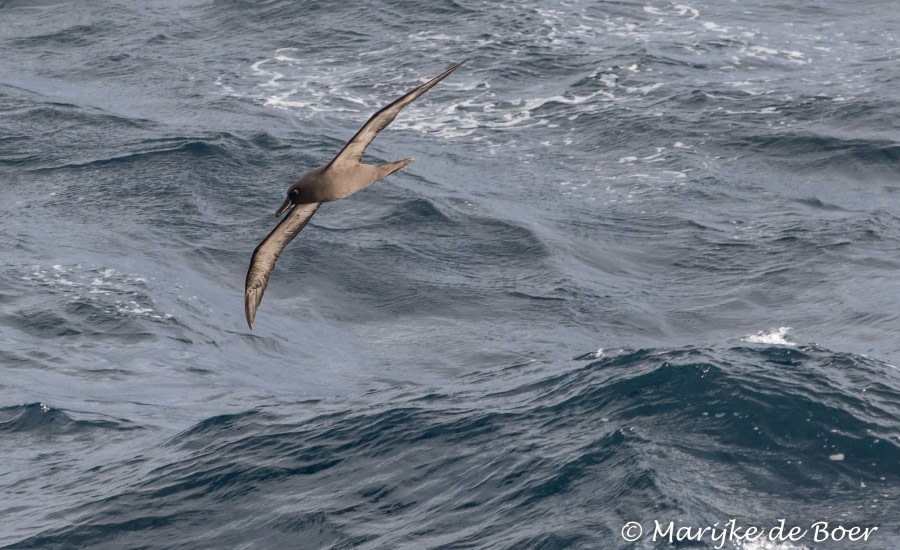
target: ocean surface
643 278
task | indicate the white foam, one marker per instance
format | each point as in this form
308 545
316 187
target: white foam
78 283
659 156
764 544
609 80
274 76
131 307
795 56
466 107
644 90
710 26
762 51
678 9
776 336
683 9
309 88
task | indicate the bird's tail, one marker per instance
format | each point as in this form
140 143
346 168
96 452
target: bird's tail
385 170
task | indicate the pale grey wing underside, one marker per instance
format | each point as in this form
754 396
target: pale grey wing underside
353 151
265 255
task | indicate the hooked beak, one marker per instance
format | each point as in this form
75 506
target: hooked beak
285 206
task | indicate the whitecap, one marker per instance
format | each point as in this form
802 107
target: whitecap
776 336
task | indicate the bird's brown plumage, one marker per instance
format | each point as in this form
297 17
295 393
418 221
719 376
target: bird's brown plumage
342 177
265 255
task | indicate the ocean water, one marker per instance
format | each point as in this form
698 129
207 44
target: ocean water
644 270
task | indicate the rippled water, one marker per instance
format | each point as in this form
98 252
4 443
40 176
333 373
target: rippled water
643 270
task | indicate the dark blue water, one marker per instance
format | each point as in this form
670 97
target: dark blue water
644 270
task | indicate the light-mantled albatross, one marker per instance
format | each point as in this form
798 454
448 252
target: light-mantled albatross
340 178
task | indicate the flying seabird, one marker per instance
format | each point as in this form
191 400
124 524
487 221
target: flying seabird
340 178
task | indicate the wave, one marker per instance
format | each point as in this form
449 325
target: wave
583 449
38 420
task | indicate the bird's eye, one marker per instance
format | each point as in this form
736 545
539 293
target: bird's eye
295 192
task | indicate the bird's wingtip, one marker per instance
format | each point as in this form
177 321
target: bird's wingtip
458 65
249 310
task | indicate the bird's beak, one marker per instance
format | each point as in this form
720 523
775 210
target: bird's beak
285 206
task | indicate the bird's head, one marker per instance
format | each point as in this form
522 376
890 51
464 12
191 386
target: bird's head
293 197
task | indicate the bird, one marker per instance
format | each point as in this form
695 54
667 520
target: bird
344 175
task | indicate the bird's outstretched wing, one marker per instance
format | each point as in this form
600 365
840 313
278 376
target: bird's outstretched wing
265 255
353 151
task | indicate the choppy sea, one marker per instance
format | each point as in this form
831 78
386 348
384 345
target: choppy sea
644 279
